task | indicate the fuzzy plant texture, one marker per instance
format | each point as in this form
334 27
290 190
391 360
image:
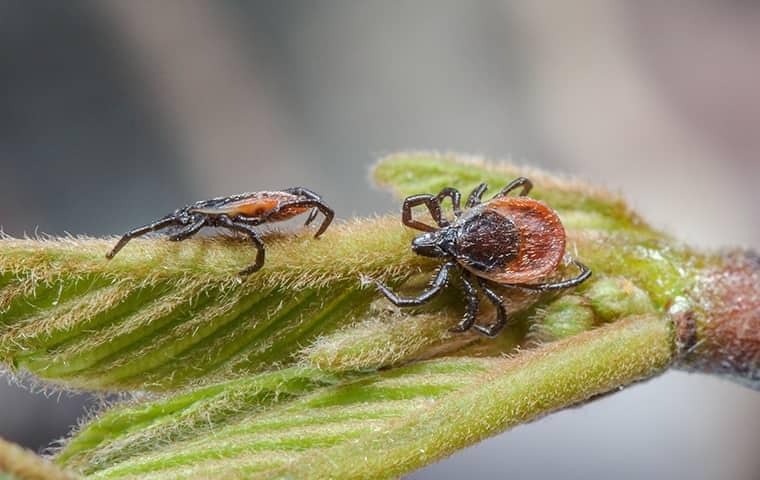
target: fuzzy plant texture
302 370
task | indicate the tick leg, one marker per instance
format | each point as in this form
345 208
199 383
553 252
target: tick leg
433 206
456 199
440 280
250 221
303 192
188 231
501 312
585 272
471 293
255 238
139 231
312 216
476 195
317 204
523 182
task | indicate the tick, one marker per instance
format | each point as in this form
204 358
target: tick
512 241
239 213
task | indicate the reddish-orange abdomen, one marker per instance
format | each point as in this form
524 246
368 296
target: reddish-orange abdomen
541 244
257 205
254 207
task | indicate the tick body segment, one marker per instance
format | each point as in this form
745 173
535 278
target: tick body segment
512 241
239 213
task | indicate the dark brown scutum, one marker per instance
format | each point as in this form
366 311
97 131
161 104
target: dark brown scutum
488 241
542 240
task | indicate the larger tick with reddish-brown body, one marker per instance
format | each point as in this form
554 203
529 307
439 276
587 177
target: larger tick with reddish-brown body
510 241
239 213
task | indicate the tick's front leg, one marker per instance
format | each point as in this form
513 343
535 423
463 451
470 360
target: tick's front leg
439 282
159 224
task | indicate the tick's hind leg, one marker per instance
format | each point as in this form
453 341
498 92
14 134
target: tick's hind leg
471 293
255 238
523 182
584 274
312 215
501 312
305 192
140 231
440 280
314 204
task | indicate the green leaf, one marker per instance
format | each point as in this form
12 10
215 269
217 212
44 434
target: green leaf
581 205
304 423
163 316
301 370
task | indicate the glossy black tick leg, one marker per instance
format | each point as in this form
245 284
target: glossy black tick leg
523 182
433 206
316 204
188 231
476 196
305 192
139 231
501 312
255 238
456 202
441 278
569 283
311 217
473 303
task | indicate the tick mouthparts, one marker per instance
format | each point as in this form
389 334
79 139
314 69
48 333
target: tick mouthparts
428 245
423 242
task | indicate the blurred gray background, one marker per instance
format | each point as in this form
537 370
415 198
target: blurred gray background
113 112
